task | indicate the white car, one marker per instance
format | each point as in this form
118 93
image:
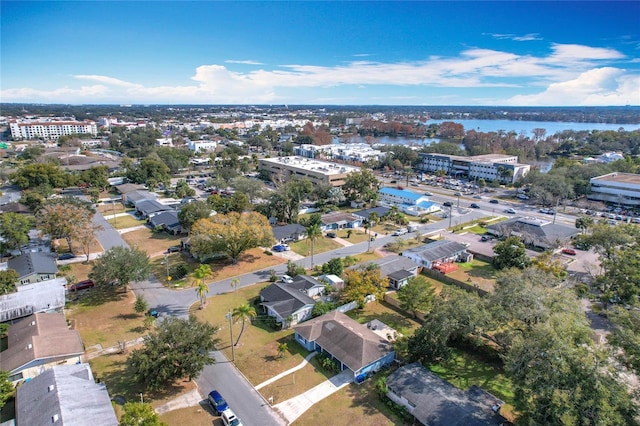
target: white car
286 279
510 211
229 418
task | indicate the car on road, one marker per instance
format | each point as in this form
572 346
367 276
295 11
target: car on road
393 181
545 211
485 238
281 247
458 194
510 211
217 402
331 234
569 251
82 285
478 197
428 194
494 201
66 256
229 418
286 279
447 204
399 232
474 206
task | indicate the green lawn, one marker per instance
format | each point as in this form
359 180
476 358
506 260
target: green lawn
321 245
122 222
478 268
386 313
355 238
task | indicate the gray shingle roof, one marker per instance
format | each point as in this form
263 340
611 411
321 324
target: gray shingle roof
304 283
288 231
439 403
168 219
68 392
380 210
393 263
338 217
33 262
125 188
349 341
151 206
136 196
283 299
436 250
545 232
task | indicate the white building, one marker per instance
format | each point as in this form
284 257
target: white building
619 188
318 172
50 128
164 142
202 145
407 201
503 168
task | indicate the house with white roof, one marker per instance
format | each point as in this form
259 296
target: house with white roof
407 201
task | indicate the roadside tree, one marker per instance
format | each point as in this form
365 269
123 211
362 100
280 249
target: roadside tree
200 274
176 349
361 186
85 234
243 313
6 388
141 305
61 217
120 266
334 266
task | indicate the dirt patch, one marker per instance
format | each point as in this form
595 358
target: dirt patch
153 243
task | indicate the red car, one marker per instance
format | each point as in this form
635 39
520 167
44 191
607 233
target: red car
572 252
82 285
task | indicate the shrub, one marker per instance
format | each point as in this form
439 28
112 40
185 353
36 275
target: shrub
180 271
268 253
272 276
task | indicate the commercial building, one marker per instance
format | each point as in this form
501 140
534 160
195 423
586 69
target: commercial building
618 188
50 128
318 172
407 201
502 168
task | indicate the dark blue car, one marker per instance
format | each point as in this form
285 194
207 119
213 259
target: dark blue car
217 402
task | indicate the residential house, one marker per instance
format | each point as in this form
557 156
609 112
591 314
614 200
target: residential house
286 304
15 207
66 395
441 251
37 343
333 280
167 220
381 211
43 296
290 232
33 267
308 285
535 232
339 220
397 269
148 208
125 188
134 197
407 201
354 346
433 401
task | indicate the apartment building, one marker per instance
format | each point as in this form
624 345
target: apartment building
503 168
318 172
618 188
50 128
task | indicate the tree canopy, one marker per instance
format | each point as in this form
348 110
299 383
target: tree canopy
176 349
14 230
361 186
120 266
362 282
416 295
510 253
139 414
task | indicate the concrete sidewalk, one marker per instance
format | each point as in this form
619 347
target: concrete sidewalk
293 408
289 371
189 399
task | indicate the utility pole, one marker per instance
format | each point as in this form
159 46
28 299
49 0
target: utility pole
233 352
450 214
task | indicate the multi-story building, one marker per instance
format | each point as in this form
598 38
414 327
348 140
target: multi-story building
618 188
318 172
50 128
502 168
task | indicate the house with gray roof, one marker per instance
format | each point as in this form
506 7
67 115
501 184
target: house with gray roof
308 285
43 296
33 267
339 220
126 188
534 232
435 402
149 208
441 251
134 197
37 343
290 232
288 305
167 220
354 346
398 269
64 395
381 211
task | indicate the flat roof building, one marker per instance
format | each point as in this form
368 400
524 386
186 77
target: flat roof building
318 172
50 128
618 188
499 167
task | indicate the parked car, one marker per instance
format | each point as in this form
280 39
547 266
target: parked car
510 211
174 249
485 238
477 197
570 251
458 194
399 232
217 402
447 204
428 194
82 285
281 247
493 201
286 279
66 256
229 418
153 313
474 206
545 211
331 234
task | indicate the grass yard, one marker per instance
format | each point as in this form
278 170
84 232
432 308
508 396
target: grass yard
256 355
356 237
479 272
368 256
191 416
153 243
464 369
386 313
123 222
385 228
400 244
355 405
322 244
477 229
111 208
105 316
296 383
61 246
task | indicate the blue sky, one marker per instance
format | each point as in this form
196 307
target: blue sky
548 53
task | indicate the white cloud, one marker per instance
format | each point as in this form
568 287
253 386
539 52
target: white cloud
526 37
107 80
245 62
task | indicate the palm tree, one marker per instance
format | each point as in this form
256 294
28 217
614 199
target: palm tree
243 312
201 273
235 283
313 232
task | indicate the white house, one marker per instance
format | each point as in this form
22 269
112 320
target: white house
202 145
407 201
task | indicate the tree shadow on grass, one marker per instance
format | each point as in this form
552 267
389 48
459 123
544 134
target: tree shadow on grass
96 296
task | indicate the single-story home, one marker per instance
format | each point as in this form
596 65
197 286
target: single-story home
167 220
149 208
441 251
307 285
397 269
354 346
333 280
64 394
33 267
126 188
37 343
534 231
286 304
381 211
134 197
407 201
435 402
290 232
339 220
43 296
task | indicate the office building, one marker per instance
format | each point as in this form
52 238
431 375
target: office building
502 168
318 172
50 128
617 188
